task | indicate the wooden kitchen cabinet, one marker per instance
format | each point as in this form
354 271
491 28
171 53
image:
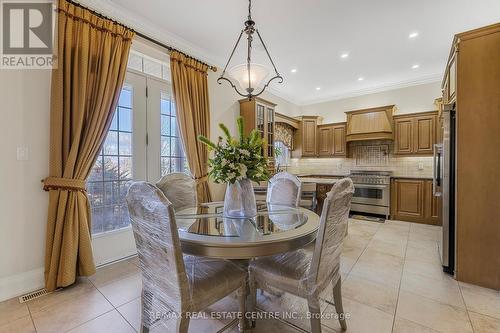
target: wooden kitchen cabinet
415 134
403 136
432 205
306 137
259 114
412 200
339 140
407 202
325 140
331 140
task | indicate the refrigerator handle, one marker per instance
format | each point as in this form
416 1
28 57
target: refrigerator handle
436 177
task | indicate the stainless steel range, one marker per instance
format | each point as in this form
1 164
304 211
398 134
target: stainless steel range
372 191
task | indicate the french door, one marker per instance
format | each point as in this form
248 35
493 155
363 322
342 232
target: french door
142 144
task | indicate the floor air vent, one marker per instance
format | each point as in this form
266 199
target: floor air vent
32 295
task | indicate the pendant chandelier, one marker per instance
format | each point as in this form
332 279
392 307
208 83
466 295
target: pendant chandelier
250 76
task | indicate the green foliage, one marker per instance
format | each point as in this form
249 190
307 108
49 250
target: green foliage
235 159
241 128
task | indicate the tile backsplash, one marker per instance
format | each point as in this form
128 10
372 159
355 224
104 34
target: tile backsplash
374 155
401 166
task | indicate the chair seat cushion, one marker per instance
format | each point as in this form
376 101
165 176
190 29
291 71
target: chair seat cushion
211 279
288 271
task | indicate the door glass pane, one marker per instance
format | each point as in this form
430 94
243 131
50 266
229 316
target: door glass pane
112 172
172 157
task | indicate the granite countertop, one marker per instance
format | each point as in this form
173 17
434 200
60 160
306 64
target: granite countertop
321 175
317 180
411 176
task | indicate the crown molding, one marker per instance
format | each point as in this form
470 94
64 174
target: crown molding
431 78
141 24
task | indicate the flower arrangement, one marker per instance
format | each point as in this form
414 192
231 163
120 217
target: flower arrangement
234 158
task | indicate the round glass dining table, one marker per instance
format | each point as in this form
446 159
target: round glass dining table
204 231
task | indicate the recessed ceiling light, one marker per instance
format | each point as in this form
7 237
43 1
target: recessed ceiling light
361 78
415 66
318 88
344 55
413 35
293 70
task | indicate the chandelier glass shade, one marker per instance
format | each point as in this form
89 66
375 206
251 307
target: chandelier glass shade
258 74
249 79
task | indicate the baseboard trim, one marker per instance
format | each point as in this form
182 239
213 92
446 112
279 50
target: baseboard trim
22 283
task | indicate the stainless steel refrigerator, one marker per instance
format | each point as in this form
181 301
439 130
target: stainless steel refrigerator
444 186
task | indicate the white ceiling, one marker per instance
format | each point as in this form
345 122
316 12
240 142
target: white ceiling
310 35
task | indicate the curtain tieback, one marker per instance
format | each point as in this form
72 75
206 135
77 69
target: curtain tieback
67 184
201 179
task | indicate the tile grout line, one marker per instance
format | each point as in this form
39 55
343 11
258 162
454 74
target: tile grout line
81 324
31 317
404 263
465 304
113 308
128 322
401 278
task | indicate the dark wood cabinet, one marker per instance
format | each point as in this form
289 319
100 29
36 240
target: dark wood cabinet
415 134
412 200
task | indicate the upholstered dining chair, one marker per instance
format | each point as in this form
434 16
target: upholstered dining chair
174 285
307 272
284 189
180 189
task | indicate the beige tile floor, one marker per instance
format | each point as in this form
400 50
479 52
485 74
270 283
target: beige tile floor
392 282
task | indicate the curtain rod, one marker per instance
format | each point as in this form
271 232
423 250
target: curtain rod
146 37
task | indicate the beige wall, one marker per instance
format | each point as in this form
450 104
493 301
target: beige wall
24 97
408 100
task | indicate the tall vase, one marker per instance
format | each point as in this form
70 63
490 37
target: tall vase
239 201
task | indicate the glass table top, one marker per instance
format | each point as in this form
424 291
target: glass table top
207 220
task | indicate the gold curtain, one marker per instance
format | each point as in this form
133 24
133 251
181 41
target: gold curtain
190 89
92 61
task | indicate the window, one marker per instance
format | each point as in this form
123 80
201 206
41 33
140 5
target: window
172 157
111 175
147 65
282 153
148 117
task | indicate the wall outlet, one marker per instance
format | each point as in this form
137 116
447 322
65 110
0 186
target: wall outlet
22 153
420 166
339 165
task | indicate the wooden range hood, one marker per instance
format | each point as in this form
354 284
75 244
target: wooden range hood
370 124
